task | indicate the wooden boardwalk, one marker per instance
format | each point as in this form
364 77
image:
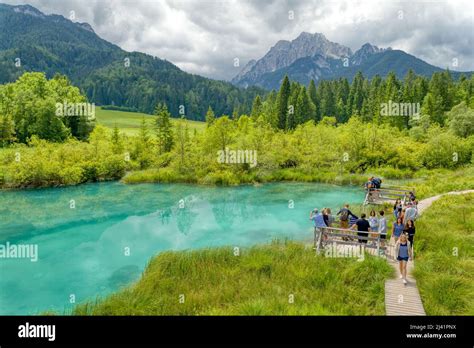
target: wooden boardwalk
403 299
400 298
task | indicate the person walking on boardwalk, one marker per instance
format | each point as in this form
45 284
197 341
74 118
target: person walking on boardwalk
318 223
402 214
397 228
404 253
345 213
363 228
382 228
411 213
410 231
397 208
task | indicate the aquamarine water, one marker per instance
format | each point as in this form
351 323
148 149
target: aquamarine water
93 239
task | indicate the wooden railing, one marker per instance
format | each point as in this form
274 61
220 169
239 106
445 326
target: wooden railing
327 235
388 193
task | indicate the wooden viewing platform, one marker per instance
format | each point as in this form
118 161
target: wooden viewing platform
388 194
400 299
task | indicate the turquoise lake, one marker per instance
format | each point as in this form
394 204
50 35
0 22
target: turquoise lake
93 239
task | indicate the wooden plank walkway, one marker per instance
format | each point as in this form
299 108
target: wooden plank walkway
403 299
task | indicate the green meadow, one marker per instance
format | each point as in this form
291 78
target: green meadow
444 252
281 278
129 122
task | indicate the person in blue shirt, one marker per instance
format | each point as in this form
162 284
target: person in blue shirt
397 228
318 223
403 253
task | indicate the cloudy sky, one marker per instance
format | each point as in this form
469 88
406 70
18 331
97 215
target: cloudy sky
205 36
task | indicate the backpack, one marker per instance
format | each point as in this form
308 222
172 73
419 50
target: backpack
344 215
377 182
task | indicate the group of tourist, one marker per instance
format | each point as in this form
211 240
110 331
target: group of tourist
403 228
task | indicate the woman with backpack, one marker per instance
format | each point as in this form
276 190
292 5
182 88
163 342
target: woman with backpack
345 213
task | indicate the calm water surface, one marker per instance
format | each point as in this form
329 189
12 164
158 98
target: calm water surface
106 241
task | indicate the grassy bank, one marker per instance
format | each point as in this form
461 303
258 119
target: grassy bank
427 183
433 182
260 281
223 177
444 249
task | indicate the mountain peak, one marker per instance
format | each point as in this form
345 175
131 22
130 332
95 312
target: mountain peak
285 53
364 52
28 10
305 34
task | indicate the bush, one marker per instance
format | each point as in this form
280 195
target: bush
220 178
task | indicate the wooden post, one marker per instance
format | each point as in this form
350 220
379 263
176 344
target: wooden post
378 244
319 240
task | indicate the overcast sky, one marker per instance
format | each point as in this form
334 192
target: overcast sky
205 36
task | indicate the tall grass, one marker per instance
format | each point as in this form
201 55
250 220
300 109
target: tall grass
262 280
444 249
226 177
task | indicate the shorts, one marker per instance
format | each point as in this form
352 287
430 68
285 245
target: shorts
402 258
344 224
383 236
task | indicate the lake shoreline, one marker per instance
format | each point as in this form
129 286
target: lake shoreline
358 180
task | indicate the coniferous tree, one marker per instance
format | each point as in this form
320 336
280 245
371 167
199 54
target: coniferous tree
328 102
210 117
164 130
282 103
356 95
312 92
144 132
269 109
116 139
408 94
433 107
257 108
313 97
291 120
182 142
303 108
374 101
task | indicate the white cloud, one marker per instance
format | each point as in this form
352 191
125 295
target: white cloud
204 37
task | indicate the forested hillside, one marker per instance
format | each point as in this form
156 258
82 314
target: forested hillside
43 149
33 41
413 102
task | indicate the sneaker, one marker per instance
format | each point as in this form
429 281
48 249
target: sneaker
405 281
401 277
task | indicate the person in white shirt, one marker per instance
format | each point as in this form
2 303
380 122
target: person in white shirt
411 213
